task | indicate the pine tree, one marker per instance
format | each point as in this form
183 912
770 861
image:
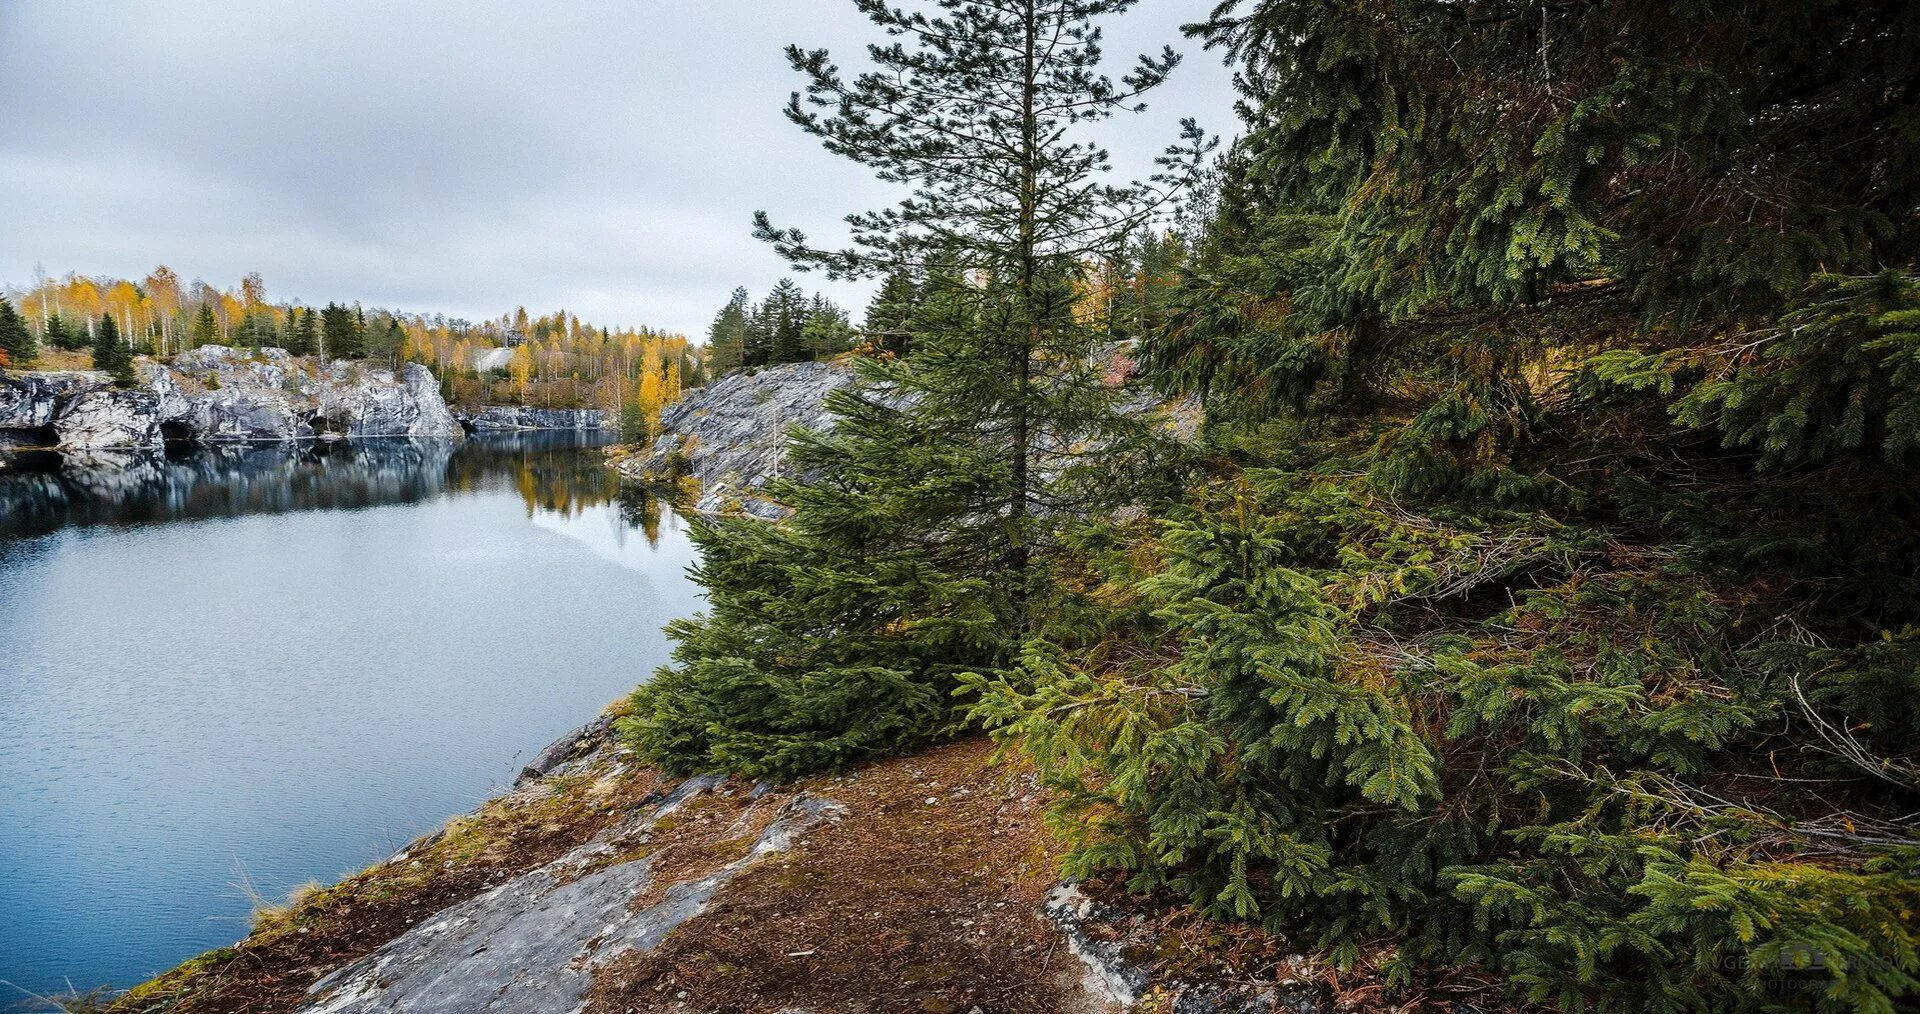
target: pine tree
16 340
205 329
112 355
846 631
727 336
887 320
341 336
61 336
785 315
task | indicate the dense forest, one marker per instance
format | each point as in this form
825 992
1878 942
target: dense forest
786 327
554 360
1539 605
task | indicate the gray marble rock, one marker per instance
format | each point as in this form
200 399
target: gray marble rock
512 418
247 414
216 394
731 435
377 403
106 418
31 400
533 944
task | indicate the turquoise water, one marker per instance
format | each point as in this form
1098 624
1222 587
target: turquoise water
239 671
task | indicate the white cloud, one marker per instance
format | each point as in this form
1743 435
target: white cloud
454 157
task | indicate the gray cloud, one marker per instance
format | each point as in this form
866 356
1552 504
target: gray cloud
462 158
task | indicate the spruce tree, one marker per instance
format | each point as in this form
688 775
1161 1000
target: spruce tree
914 559
886 325
1548 607
341 336
757 349
727 336
300 336
61 336
16 340
786 315
206 328
826 332
111 354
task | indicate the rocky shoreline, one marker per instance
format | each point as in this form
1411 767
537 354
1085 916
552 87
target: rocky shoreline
216 394
516 418
598 884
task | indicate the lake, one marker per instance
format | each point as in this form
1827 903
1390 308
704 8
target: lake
236 670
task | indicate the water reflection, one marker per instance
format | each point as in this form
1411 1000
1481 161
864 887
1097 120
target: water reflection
50 492
236 667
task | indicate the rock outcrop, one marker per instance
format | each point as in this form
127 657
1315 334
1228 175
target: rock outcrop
108 417
216 394
513 418
731 435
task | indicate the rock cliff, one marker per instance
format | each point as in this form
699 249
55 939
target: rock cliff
513 418
217 394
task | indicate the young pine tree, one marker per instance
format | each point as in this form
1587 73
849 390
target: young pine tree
918 555
205 329
111 354
785 313
16 339
727 336
61 335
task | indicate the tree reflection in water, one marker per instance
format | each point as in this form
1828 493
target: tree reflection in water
560 472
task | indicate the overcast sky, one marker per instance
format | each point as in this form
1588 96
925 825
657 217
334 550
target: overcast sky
461 158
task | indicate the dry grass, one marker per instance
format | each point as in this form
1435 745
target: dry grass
924 896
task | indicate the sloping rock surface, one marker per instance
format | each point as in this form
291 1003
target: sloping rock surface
219 394
534 945
731 435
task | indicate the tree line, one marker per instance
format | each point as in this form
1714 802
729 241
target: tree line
786 327
1534 612
553 360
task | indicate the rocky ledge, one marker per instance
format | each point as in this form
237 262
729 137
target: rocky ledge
730 437
514 418
599 885
217 394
